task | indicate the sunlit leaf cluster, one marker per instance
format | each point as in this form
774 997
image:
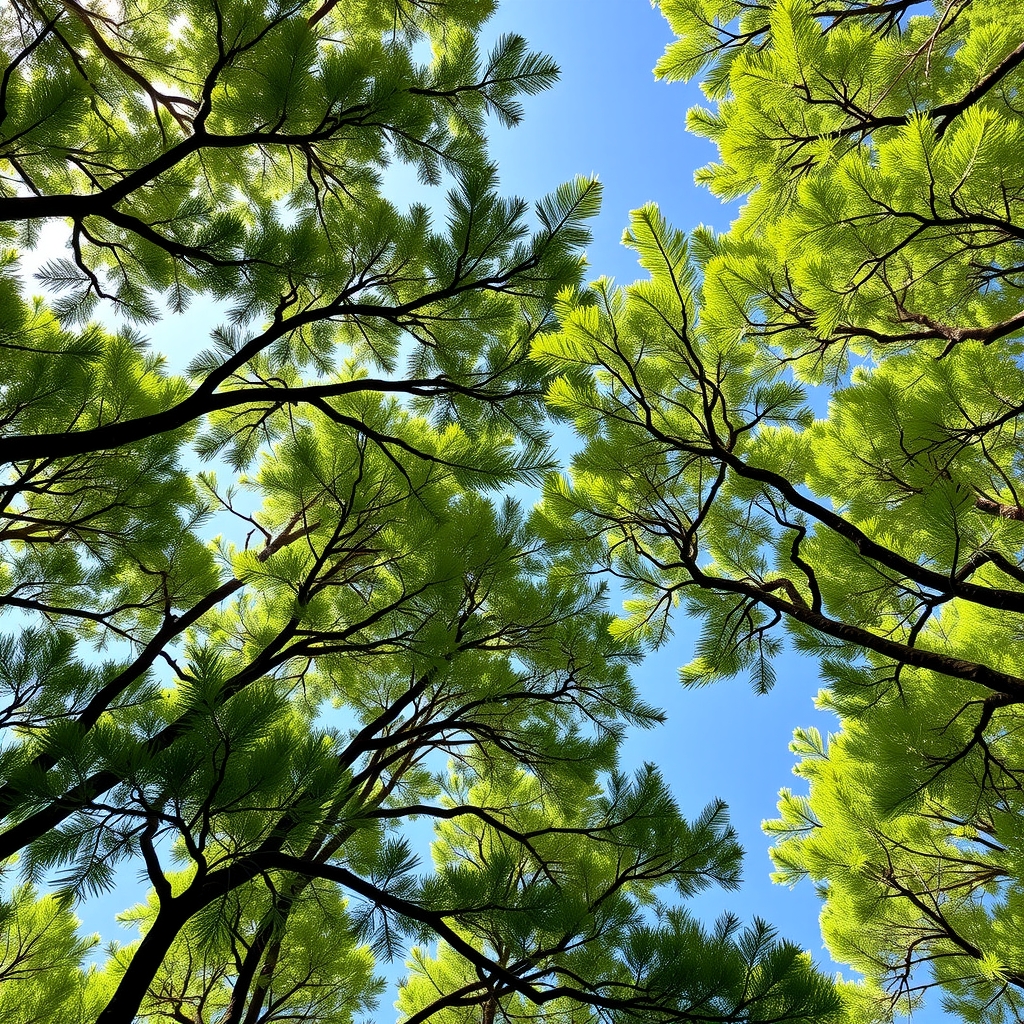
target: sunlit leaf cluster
805 432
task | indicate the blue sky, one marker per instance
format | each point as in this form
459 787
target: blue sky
606 116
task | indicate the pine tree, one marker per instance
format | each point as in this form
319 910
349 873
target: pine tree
805 430
247 691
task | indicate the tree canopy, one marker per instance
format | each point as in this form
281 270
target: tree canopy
264 613
806 431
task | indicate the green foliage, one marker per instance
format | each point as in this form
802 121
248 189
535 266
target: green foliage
806 430
565 907
318 969
41 973
245 691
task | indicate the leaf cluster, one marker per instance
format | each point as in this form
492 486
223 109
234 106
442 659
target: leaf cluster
805 432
